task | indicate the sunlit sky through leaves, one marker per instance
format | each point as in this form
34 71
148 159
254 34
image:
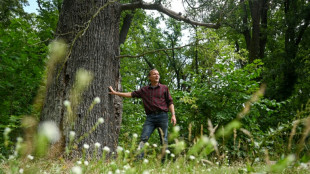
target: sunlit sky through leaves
176 5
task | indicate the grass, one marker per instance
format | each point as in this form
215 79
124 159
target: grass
180 165
200 157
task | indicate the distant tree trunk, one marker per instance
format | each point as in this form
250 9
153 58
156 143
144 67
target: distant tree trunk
95 51
255 39
296 25
263 31
255 7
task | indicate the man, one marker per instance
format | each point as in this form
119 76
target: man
157 101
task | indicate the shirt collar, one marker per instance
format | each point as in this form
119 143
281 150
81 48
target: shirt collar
150 86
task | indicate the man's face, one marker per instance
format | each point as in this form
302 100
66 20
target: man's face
154 76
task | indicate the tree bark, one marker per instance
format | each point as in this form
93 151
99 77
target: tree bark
255 7
96 51
255 39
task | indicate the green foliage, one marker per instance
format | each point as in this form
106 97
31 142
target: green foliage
23 52
48 18
22 62
9 9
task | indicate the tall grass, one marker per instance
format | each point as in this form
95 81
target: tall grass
203 155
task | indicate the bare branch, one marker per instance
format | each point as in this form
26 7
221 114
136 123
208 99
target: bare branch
172 14
154 51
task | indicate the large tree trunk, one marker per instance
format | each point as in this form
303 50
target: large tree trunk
94 51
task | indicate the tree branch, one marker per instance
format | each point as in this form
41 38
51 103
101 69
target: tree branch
160 8
153 51
125 28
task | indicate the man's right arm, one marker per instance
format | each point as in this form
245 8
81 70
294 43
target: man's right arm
121 94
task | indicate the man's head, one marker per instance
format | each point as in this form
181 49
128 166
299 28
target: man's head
154 76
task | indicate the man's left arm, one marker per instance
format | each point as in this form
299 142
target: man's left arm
173 118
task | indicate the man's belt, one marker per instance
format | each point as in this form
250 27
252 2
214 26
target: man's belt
156 112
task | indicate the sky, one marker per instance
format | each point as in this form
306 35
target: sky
176 5
32 8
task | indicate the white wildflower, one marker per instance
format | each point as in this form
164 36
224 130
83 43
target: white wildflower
110 172
97 100
76 170
79 162
167 151
176 128
147 144
126 151
19 139
72 134
100 120
67 103
205 139
145 161
83 77
7 130
30 157
21 171
126 167
119 148
50 130
172 155
191 157
154 145
117 171
97 145
291 158
86 146
213 142
135 135
86 163
303 165
106 148
146 172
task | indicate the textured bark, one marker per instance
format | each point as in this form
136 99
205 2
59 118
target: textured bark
245 28
96 50
125 28
263 33
255 7
256 38
296 25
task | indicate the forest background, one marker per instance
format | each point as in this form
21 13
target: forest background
259 49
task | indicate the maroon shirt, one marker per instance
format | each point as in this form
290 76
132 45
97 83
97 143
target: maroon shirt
154 99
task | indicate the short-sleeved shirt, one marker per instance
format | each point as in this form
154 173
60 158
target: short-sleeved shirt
155 99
